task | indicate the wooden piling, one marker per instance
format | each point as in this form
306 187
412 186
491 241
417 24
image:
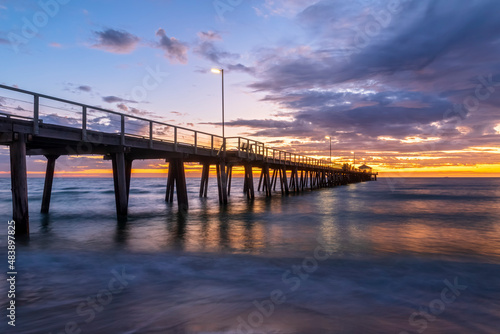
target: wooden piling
177 177
260 179
181 186
267 180
120 181
19 184
49 178
285 182
169 195
248 183
204 180
223 181
128 175
230 178
274 179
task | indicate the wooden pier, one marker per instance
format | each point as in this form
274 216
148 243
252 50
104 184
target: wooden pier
122 138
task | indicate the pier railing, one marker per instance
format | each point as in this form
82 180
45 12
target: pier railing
45 109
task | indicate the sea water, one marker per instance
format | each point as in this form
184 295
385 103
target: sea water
415 255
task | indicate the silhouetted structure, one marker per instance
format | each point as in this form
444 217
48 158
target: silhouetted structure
124 138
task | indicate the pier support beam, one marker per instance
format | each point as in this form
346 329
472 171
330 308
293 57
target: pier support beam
222 182
248 187
177 176
120 181
204 180
267 180
19 184
128 176
229 175
285 181
49 178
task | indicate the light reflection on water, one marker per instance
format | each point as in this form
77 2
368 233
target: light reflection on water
198 271
441 217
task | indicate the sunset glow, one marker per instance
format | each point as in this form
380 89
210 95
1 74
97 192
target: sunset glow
294 80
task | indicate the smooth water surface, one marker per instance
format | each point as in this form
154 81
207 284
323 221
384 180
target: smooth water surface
363 258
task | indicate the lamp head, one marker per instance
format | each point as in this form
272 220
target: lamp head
216 70
327 137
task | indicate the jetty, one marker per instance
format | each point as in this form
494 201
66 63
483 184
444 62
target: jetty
48 126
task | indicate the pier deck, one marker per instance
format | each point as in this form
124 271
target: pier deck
78 129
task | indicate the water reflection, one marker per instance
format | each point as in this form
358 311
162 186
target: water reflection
424 218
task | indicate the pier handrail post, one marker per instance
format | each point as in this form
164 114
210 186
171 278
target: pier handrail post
36 113
150 134
196 142
122 131
224 147
84 123
212 144
175 138
239 146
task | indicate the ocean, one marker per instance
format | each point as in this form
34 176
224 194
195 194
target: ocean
413 255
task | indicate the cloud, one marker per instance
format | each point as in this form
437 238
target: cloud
4 41
115 41
114 99
287 8
175 50
424 35
209 36
401 86
84 88
207 49
135 111
122 107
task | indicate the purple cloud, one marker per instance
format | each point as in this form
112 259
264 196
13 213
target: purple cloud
175 50
115 41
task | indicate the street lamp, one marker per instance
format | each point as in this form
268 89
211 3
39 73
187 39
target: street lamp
221 72
354 163
328 137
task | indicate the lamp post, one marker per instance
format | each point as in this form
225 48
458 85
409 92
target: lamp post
221 72
328 137
354 160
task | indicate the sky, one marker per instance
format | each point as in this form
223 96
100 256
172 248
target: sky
412 87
